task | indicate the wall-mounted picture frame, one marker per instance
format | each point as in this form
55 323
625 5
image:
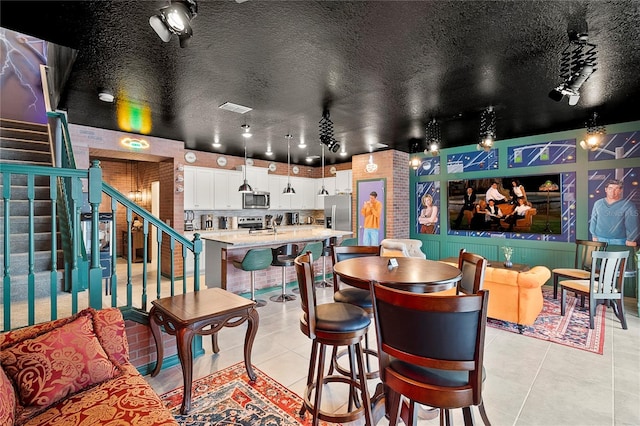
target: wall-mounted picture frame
371 211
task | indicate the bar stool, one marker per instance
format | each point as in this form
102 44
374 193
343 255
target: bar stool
332 324
284 256
316 248
326 251
255 260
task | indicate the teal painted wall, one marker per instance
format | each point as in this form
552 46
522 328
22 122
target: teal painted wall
549 253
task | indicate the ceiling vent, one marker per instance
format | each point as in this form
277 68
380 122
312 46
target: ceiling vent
230 106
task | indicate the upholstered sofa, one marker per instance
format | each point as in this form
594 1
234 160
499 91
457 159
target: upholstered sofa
401 247
75 371
515 296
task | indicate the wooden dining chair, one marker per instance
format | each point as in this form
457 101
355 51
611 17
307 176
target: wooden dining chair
438 360
345 293
581 265
606 282
473 268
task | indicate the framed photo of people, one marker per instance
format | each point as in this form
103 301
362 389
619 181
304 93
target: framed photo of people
614 203
531 207
428 207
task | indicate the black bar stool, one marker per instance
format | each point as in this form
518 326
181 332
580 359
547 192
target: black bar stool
284 256
255 260
326 251
316 249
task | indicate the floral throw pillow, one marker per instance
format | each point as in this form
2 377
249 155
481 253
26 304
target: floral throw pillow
58 363
7 400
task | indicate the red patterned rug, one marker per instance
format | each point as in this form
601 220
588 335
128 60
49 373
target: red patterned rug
569 330
227 398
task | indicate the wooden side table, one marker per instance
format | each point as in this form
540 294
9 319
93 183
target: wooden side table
202 312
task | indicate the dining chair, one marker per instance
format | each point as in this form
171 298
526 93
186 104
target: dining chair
473 268
438 360
606 282
332 324
345 293
582 263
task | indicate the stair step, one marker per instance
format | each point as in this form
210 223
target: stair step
18 143
19 192
19 242
27 156
20 179
7 123
19 262
21 208
19 285
20 224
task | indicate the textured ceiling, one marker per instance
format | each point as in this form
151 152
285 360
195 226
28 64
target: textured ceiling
384 68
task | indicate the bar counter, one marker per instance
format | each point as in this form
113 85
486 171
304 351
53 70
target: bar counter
222 248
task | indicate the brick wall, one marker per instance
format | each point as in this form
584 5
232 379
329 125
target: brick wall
394 167
142 347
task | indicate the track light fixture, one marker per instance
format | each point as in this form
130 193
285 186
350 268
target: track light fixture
487 129
595 134
326 132
175 19
433 138
576 66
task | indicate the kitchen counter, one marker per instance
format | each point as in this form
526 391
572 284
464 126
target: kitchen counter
223 246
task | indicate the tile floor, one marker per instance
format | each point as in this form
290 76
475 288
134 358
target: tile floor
529 381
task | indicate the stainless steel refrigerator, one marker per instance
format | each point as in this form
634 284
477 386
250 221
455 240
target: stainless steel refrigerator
337 212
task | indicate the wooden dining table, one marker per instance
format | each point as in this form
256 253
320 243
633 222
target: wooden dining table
412 274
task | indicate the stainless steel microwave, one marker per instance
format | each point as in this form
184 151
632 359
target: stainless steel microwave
256 200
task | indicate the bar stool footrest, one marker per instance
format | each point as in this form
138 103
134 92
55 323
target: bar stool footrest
367 352
307 405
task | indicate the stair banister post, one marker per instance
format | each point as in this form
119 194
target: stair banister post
95 271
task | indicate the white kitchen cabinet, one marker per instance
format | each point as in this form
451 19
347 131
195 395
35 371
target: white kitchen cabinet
329 185
257 177
278 200
226 184
304 198
198 188
343 181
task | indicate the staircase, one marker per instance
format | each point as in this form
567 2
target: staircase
28 144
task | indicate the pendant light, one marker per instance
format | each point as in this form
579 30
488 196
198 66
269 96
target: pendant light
288 190
323 192
245 187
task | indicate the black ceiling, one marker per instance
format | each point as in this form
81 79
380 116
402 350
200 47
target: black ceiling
383 67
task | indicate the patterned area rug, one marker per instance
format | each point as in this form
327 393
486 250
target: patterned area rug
227 398
569 330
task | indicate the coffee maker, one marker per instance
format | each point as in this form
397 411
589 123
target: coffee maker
293 218
207 222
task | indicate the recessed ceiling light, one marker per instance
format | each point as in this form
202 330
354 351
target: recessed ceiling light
106 97
343 153
216 144
230 106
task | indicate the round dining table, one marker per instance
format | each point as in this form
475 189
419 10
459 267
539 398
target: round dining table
412 274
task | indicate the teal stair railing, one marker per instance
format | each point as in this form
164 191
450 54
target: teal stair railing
41 294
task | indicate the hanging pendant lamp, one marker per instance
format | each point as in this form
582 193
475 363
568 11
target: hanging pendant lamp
245 187
323 192
288 190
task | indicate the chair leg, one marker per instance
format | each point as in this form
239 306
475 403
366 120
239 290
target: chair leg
592 312
468 416
394 404
483 414
283 297
319 385
310 374
618 309
259 303
555 286
563 299
366 400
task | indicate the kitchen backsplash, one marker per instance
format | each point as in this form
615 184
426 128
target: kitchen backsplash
216 214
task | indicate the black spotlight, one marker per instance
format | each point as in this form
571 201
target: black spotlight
326 132
175 19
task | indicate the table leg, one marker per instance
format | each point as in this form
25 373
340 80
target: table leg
155 331
184 336
252 330
214 343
